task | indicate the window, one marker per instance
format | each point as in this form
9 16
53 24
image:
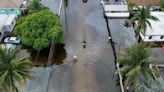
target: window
150 37
161 37
12 9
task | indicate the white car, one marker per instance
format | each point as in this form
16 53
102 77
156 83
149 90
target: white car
8 46
13 40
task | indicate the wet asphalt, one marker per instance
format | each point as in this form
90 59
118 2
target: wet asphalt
93 70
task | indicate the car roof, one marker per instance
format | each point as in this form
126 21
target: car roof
13 38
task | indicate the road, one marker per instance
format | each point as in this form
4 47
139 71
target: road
94 69
123 36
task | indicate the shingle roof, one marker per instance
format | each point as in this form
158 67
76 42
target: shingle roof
145 2
10 3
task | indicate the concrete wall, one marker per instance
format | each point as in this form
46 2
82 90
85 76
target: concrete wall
154 38
10 23
1 33
10 27
7 25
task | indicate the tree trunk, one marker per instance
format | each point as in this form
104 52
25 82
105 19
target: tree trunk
16 89
51 52
139 39
5 89
65 14
37 56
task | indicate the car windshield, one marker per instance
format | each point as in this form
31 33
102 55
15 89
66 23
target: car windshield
13 38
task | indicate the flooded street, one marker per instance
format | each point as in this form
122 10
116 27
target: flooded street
94 69
59 56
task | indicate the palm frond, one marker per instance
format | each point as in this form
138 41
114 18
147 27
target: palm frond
13 69
142 16
135 63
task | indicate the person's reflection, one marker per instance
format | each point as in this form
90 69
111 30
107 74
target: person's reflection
85 1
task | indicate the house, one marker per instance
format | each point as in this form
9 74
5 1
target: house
155 4
156 31
9 11
145 2
7 23
115 10
11 6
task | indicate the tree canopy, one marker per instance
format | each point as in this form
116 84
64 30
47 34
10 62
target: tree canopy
162 5
141 18
35 6
38 29
136 66
13 69
155 86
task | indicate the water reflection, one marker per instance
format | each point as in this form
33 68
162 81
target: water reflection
59 55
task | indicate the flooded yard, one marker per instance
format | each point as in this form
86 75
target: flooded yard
59 55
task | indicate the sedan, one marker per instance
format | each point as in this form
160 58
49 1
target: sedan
13 40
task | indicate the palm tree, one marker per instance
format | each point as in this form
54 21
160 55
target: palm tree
141 19
156 86
35 6
12 69
135 62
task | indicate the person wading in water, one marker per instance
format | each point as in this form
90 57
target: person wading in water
84 44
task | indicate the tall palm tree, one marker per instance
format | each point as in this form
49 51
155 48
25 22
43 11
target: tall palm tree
135 62
12 69
141 19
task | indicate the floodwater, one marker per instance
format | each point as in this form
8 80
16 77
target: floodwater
59 55
95 67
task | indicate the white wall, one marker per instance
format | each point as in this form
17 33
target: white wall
155 38
115 11
10 27
10 23
1 33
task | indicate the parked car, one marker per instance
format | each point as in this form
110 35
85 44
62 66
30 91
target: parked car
13 40
8 46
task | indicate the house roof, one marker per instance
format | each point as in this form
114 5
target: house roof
145 2
3 18
156 26
10 3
